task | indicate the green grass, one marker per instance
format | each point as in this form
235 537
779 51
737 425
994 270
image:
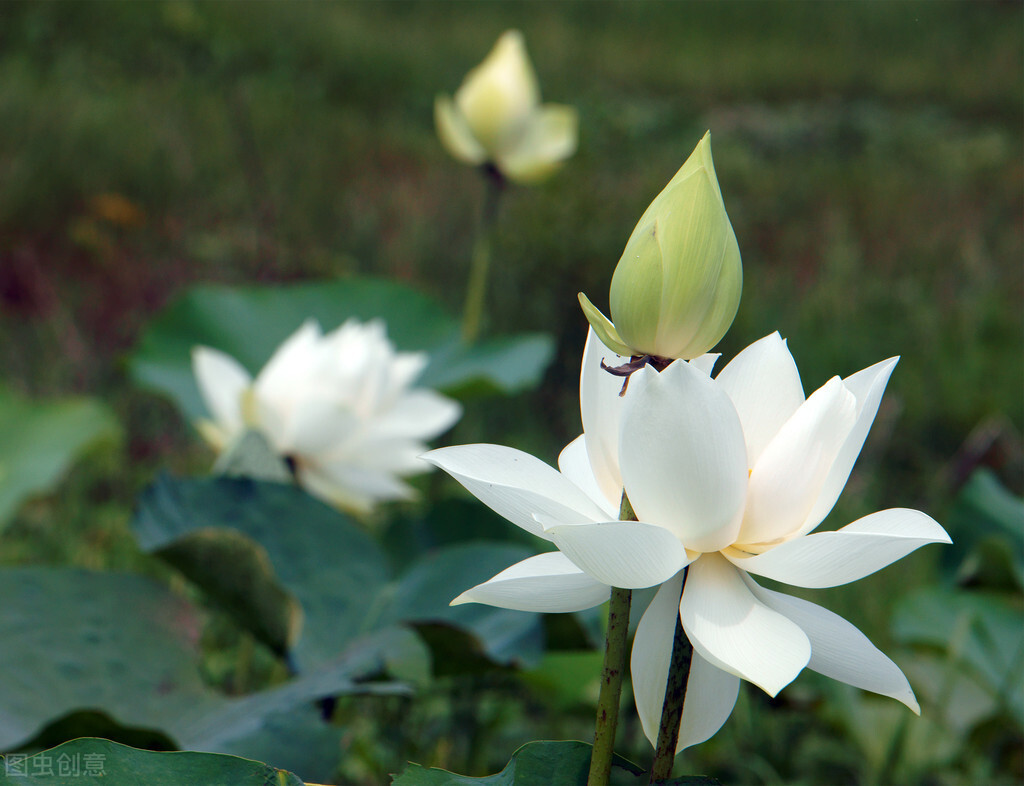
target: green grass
870 156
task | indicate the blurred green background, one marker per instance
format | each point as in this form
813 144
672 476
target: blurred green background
871 157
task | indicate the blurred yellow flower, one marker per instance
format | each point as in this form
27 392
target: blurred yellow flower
496 117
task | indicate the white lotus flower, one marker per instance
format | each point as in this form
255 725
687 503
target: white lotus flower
728 476
338 406
496 117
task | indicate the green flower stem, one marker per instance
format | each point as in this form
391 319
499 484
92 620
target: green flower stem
476 289
672 708
611 675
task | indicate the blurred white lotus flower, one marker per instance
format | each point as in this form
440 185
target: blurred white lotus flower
338 407
728 477
496 117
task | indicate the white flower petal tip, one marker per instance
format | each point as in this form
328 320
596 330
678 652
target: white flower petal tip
545 583
710 697
764 385
516 485
627 554
737 633
839 650
867 387
706 362
652 655
829 559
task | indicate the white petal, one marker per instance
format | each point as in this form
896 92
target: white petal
312 428
547 582
574 463
455 134
828 559
652 655
710 696
548 138
710 693
221 380
764 385
839 650
601 410
628 554
788 477
419 414
706 362
393 454
516 485
867 386
737 633
682 455
285 377
350 486
404 368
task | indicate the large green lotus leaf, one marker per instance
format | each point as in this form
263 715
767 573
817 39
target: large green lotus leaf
314 571
550 763
40 439
120 651
112 764
311 572
984 631
250 322
72 639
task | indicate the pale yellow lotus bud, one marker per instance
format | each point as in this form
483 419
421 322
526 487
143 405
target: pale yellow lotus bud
496 117
677 286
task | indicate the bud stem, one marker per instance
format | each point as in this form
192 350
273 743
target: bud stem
672 708
476 289
611 675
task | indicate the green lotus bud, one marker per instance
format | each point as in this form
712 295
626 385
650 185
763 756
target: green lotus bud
677 286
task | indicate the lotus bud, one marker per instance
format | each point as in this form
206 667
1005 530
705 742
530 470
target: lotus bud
677 286
496 118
